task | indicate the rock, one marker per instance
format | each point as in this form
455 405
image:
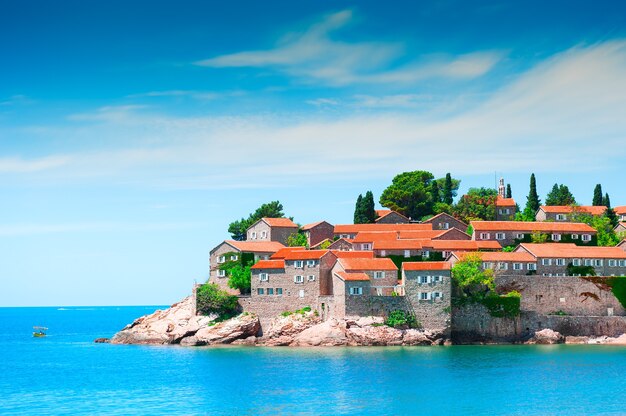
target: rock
364 321
546 336
576 340
326 334
291 325
102 340
417 337
374 335
239 327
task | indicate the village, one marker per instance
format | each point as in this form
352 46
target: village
552 267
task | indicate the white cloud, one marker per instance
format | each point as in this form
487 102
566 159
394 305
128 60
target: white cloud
314 56
319 102
20 165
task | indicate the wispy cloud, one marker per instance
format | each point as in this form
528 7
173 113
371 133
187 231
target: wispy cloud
14 230
193 94
20 165
314 55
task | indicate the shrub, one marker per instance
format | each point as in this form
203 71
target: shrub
400 318
618 287
503 306
211 299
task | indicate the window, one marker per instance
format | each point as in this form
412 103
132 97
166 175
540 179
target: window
221 259
484 236
437 295
586 237
576 262
531 266
270 291
344 235
560 262
561 217
279 291
437 279
310 278
310 263
298 264
264 277
588 262
517 266
424 295
221 273
383 253
263 234
574 236
366 246
556 237
425 253
260 291
298 279
301 293
379 275
546 262
253 235
503 266
234 258
357 290
622 263
487 265
612 263
598 263
379 291
519 236
499 236
407 253
445 225
422 279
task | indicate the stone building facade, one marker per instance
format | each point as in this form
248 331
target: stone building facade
446 221
317 232
271 229
428 290
387 216
564 213
510 232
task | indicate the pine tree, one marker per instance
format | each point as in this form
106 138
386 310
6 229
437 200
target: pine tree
533 201
509 194
560 195
358 210
597 196
610 213
447 190
434 192
369 213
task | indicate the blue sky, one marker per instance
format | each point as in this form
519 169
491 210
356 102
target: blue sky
132 133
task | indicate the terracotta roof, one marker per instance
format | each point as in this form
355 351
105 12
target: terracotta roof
353 254
256 246
355 228
269 264
459 245
498 256
280 254
398 245
279 222
353 276
369 236
313 225
382 213
367 264
412 235
573 251
505 202
566 209
620 210
426 265
306 254
541 226
443 214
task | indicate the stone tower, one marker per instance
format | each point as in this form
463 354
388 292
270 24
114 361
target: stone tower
501 189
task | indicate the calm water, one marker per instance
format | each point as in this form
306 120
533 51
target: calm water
66 373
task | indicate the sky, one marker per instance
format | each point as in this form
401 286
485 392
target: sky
133 132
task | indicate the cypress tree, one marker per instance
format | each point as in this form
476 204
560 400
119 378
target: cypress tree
447 190
358 210
610 213
532 202
434 192
597 196
369 213
509 194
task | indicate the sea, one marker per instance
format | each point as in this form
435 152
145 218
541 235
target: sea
66 373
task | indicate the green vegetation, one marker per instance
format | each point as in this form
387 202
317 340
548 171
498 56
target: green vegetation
237 229
606 236
509 194
398 260
580 270
448 190
324 245
238 271
301 311
211 299
559 313
503 306
597 196
532 203
297 240
402 319
615 284
560 195
477 204
364 212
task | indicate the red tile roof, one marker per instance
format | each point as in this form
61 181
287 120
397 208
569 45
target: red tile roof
566 209
353 276
256 246
353 254
398 245
355 228
620 210
443 214
412 235
306 254
498 256
426 265
367 264
556 250
280 254
279 222
307 227
505 202
460 245
269 264
542 226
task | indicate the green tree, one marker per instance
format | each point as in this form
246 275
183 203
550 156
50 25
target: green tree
369 212
509 194
434 193
410 194
470 279
597 196
532 201
210 299
358 211
601 223
477 204
610 212
447 190
560 195
240 277
273 209
297 240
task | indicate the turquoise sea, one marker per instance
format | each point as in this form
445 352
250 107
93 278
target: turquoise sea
66 373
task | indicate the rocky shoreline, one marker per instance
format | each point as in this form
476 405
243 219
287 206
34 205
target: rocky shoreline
177 325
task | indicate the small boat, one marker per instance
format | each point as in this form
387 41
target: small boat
39 331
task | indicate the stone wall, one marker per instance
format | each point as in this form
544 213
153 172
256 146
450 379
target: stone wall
319 233
393 218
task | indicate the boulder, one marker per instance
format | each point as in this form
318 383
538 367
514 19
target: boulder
374 335
102 340
576 340
239 327
326 334
291 325
546 336
417 337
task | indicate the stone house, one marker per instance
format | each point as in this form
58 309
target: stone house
349 231
620 228
622 244
514 232
621 213
341 244
445 221
510 263
271 229
231 251
317 232
506 208
553 259
428 289
387 216
446 247
563 213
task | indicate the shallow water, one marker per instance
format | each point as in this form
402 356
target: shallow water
66 373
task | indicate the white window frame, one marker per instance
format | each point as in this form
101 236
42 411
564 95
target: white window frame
356 291
586 237
518 266
556 237
588 262
221 259
298 279
598 263
298 264
310 278
531 266
519 236
221 273
500 236
576 262
622 263
560 262
379 275
310 263
422 279
424 296
407 253
502 265
574 236
366 246
445 225
264 277
437 295
234 257
561 217
263 235
546 262
383 253
485 236
253 235
612 263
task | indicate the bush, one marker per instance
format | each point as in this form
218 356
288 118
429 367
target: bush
211 299
504 306
618 287
399 318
